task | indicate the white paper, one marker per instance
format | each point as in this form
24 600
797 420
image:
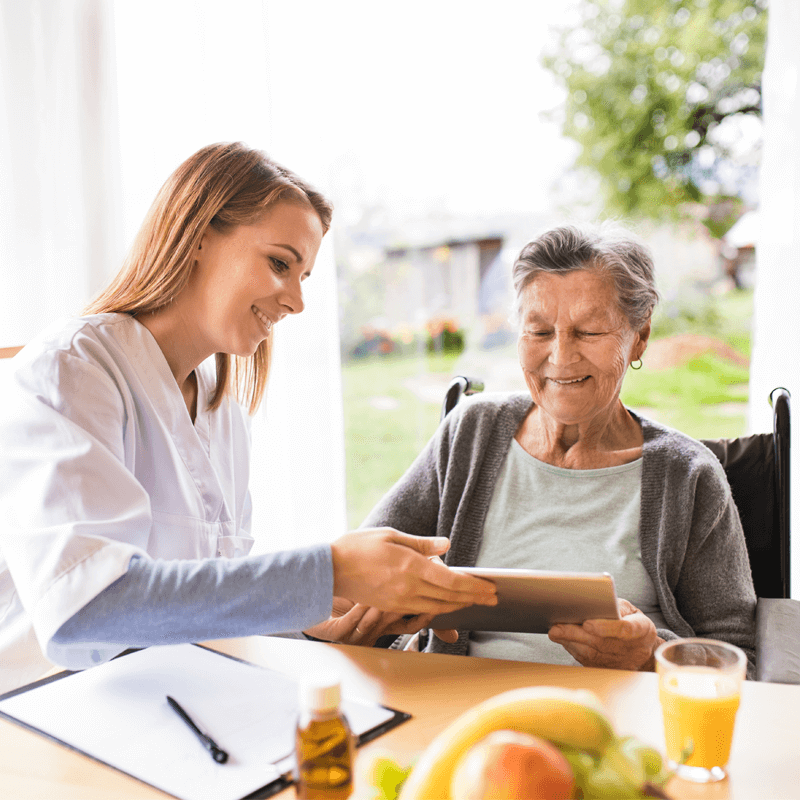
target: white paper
118 714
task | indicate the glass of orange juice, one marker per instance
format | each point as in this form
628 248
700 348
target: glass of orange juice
699 685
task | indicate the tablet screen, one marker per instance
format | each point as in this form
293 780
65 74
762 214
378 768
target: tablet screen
532 601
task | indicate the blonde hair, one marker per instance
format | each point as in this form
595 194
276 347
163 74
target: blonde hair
222 185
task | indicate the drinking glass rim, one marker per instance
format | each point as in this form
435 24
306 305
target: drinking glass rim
739 665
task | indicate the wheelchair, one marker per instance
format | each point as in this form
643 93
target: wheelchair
758 471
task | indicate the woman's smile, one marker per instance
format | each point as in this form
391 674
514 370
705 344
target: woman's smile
569 381
266 323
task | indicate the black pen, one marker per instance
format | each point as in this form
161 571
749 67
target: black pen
217 753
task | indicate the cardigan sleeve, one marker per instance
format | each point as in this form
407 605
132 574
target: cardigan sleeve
715 590
693 544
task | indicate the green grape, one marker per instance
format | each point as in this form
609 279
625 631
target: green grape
648 757
388 777
652 760
621 759
581 763
607 784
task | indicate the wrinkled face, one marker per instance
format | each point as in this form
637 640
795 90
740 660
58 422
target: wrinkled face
575 344
247 279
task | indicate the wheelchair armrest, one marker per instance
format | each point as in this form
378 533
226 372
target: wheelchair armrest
778 640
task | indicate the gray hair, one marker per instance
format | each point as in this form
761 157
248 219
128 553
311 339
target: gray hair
607 248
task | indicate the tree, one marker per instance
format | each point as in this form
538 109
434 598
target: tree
665 98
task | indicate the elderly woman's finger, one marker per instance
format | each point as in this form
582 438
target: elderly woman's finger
372 624
342 625
351 621
341 605
379 621
626 607
633 623
632 627
569 633
583 654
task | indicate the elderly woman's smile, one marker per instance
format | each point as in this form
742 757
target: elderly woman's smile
575 345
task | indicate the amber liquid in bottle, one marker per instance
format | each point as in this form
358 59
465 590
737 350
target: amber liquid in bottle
324 747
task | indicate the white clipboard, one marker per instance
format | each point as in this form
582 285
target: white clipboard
116 713
532 601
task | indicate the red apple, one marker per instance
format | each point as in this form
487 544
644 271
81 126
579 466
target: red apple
509 765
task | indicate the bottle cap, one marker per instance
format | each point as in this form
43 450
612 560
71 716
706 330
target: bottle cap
321 693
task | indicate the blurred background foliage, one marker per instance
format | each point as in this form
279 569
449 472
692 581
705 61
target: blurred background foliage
664 99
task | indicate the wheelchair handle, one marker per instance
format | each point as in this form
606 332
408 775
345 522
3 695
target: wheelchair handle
460 385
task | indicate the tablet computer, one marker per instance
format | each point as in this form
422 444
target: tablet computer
532 601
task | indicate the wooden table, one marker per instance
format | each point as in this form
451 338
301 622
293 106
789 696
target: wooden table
765 763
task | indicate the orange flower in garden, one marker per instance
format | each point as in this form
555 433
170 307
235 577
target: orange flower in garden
434 327
438 325
405 334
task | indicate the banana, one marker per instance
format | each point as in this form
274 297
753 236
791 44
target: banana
566 717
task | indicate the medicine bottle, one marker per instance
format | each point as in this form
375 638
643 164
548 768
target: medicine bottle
324 743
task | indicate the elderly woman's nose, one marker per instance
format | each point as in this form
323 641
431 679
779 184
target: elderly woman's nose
563 349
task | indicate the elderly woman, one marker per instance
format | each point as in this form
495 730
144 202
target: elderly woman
568 478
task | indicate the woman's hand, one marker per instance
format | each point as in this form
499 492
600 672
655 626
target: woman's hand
627 643
355 623
391 571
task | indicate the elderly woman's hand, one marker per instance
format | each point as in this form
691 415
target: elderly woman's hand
356 623
626 643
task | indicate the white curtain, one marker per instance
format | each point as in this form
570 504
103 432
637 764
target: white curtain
776 333
103 100
59 160
192 72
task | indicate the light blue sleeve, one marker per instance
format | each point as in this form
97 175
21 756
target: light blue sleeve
170 602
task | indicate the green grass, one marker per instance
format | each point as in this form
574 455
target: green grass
735 311
380 443
704 380
704 398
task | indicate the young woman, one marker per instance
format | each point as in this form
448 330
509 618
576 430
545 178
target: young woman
124 503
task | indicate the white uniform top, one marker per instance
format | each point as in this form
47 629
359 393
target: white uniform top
100 461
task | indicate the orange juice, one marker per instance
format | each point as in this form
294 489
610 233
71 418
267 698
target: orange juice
699 706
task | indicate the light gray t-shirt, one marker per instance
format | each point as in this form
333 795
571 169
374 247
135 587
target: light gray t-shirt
547 517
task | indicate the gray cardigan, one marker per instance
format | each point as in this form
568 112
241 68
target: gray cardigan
690 535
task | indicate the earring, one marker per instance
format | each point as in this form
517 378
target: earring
634 362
